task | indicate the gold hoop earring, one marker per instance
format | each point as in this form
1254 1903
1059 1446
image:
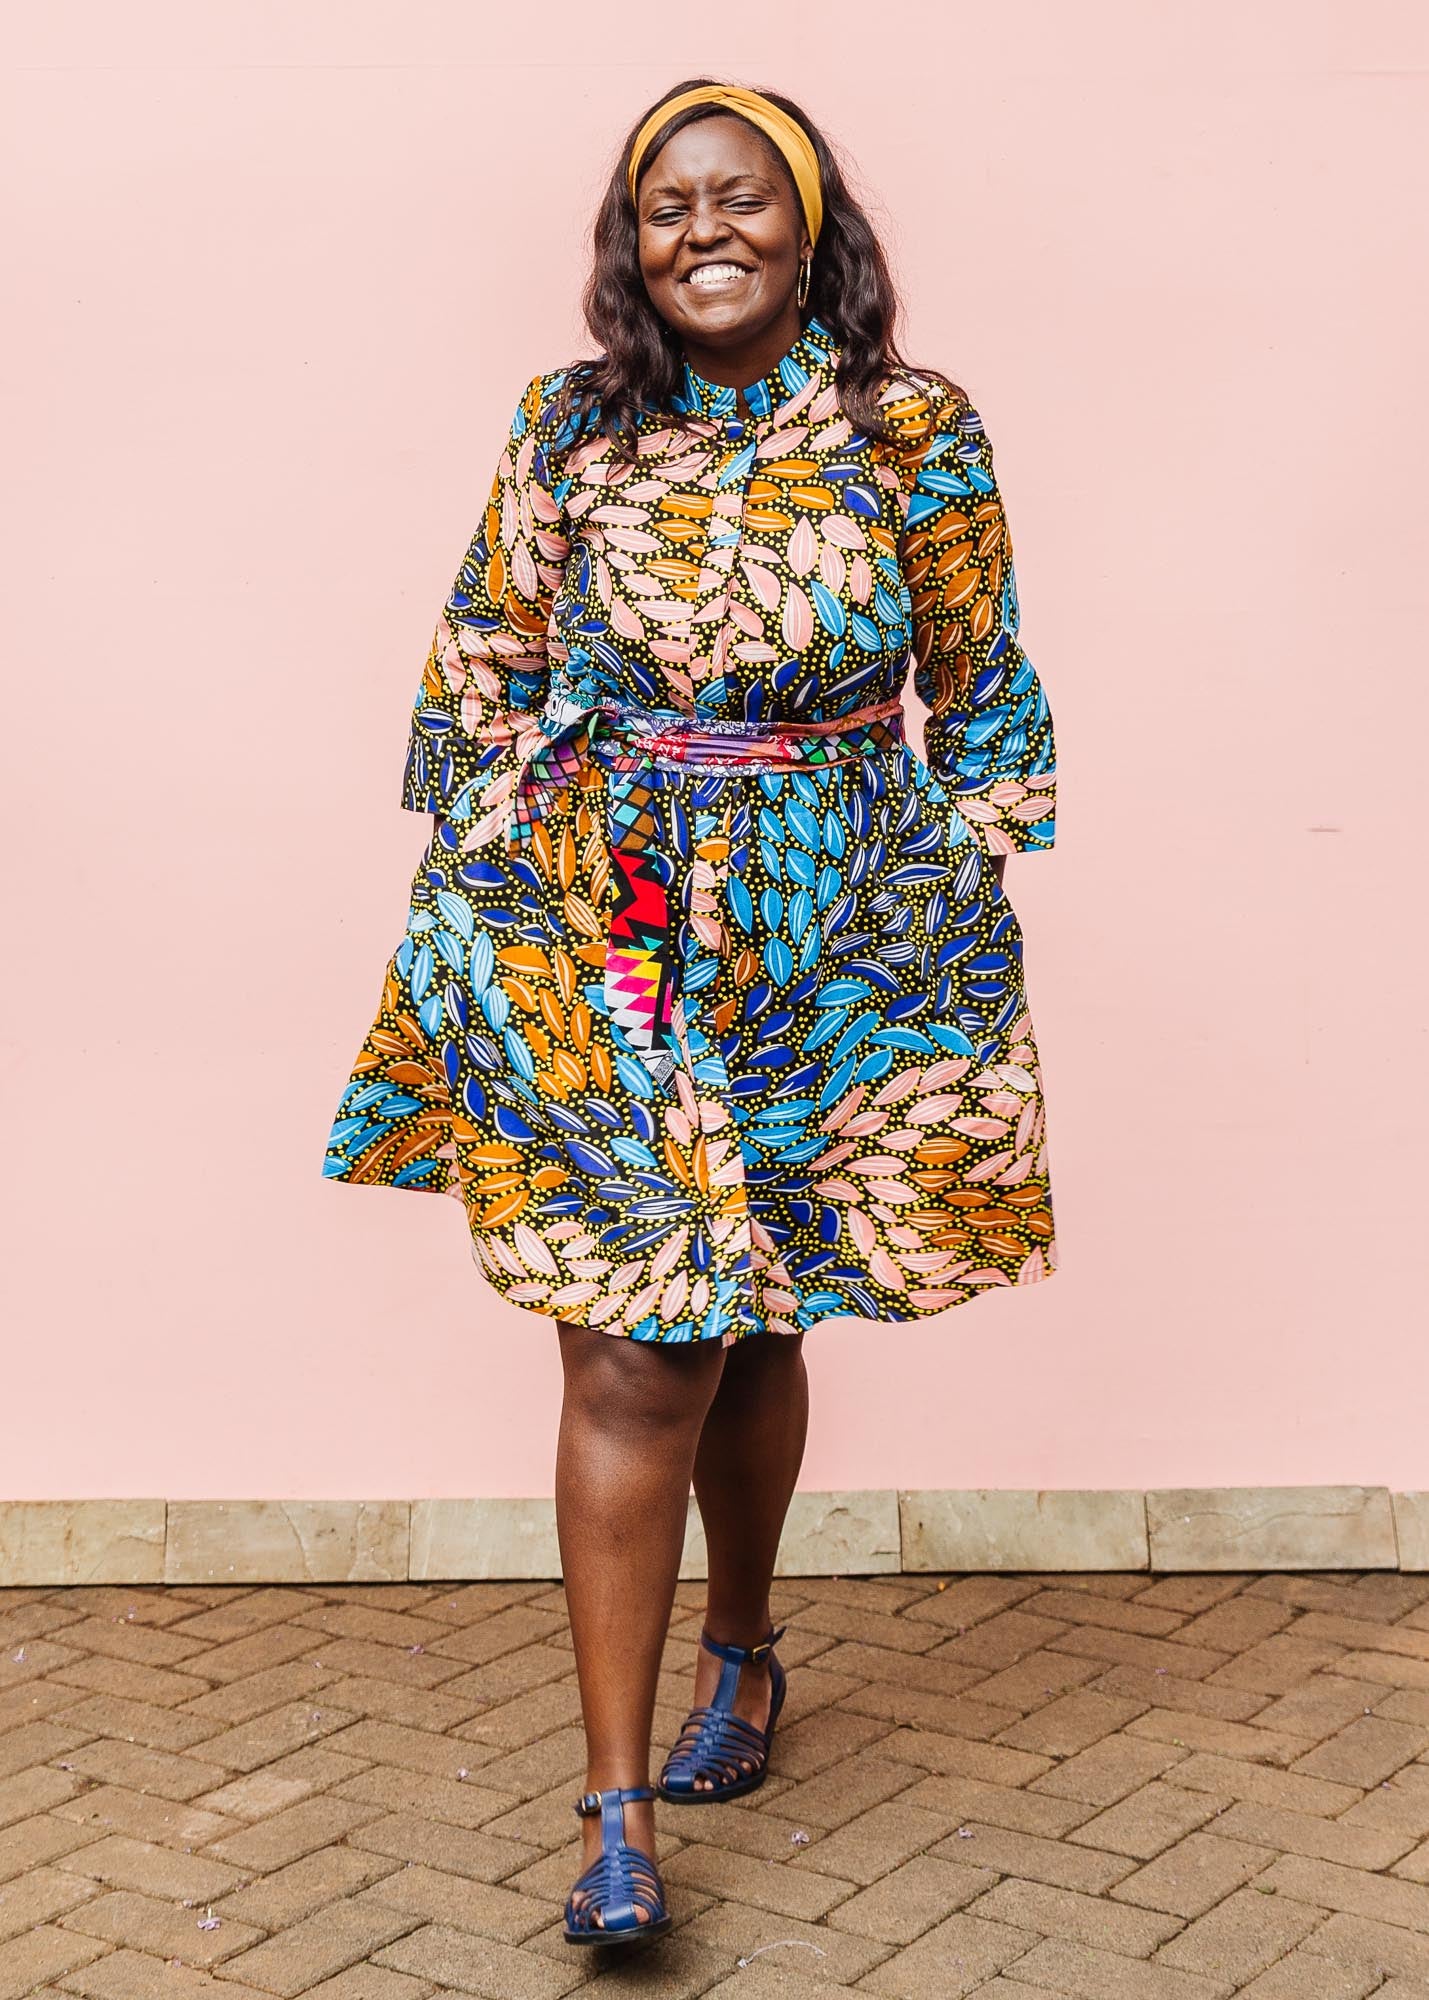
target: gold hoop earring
805 268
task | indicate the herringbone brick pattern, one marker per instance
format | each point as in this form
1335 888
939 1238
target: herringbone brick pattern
1099 1787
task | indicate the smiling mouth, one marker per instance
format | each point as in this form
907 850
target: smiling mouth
716 277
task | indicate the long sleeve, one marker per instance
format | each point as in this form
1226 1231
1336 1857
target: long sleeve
989 733
485 674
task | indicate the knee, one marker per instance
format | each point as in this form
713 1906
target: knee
631 1388
762 1367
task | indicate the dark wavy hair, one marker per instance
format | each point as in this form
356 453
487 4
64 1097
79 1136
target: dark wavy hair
850 290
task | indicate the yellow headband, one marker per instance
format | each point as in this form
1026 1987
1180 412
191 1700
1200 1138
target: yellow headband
789 136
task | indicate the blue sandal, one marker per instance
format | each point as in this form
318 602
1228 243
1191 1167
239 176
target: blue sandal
619 1882
714 1739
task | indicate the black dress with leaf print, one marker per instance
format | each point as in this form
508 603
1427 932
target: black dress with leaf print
710 1008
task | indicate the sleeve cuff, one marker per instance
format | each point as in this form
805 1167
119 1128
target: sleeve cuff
1013 816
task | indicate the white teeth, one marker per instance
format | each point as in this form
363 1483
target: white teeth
715 274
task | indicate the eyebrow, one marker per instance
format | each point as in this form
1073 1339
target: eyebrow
731 180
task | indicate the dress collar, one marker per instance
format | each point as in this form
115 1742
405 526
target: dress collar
815 349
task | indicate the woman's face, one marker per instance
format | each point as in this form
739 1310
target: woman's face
714 195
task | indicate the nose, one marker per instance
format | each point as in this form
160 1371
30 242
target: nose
705 225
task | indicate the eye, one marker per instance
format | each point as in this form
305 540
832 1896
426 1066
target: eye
743 204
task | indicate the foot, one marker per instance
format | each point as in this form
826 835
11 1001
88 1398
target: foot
753 1695
639 1831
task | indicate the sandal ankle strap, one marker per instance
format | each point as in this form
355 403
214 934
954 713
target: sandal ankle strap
589 1803
727 1652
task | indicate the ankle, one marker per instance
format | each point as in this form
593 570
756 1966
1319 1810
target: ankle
739 1632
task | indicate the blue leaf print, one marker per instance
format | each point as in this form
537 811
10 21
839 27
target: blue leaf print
590 1159
838 1083
802 824
512 1127
458 1010
451 949
858 1030
866 633
634 1075
458 914
483 962
827 608
842 993
421 977
519 1055
778 961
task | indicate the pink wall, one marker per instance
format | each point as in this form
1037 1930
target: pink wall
274 282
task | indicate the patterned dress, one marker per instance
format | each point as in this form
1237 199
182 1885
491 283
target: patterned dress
710 1008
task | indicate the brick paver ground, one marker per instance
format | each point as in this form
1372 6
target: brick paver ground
1098 1787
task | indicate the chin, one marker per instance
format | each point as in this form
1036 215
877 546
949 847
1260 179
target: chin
704 311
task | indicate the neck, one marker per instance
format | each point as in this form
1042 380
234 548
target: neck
734 364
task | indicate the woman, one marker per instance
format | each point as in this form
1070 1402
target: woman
710 1007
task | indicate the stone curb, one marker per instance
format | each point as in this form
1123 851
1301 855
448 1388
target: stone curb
1177 1530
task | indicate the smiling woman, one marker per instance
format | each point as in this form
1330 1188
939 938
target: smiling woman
716 241
711 1006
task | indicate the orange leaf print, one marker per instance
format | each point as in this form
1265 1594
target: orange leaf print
563 965
569 1069
566 859
499 1213
524 958
581 917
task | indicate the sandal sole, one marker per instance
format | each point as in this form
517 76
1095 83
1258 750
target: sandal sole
713 1796
627 1934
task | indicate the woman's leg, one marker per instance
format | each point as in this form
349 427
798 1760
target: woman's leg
746 1469
630 1421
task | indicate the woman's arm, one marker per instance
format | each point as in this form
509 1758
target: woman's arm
989 733
486 668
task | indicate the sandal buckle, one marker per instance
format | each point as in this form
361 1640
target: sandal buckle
588 1803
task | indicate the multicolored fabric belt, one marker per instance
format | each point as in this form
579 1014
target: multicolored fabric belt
644 961
626 739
